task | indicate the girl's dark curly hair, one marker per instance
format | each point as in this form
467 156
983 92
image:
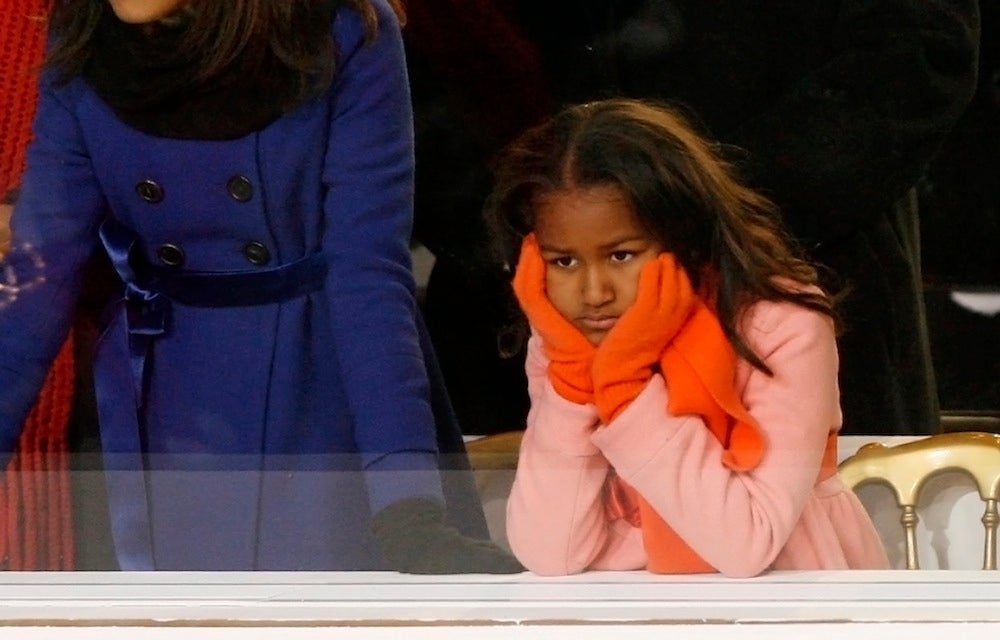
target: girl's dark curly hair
727 236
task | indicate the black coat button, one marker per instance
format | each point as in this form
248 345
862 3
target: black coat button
170 255
256 253
149 191
240 188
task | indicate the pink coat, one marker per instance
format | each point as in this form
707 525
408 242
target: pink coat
774 517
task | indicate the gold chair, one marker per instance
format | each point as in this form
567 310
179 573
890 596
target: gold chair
906 467
496 451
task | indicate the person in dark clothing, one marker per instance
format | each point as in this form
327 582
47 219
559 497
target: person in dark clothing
960 215
833 109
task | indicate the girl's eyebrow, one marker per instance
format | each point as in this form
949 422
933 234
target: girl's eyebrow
552 249
614 242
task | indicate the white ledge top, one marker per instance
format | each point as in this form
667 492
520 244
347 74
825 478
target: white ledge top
376 598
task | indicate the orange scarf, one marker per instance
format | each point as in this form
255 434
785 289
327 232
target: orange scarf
700 367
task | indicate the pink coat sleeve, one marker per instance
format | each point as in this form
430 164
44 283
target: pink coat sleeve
738 522
555 515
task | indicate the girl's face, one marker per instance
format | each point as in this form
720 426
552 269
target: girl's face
594 247
143 11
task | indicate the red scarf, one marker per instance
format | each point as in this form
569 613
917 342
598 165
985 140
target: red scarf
35 515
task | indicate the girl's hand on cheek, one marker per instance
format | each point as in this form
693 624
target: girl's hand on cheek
570 353
627 356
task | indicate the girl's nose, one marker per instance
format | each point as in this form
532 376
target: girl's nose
598 288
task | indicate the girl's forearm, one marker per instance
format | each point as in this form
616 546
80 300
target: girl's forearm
675 462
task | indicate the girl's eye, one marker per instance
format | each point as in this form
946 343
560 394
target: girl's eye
563 261
621 256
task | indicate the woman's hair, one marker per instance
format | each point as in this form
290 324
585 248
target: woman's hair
221 31
727 236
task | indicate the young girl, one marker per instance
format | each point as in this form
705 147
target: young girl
682 365
266 396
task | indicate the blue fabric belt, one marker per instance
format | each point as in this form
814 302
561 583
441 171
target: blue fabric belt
150 292
208 288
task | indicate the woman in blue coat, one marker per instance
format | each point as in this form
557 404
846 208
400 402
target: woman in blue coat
266 396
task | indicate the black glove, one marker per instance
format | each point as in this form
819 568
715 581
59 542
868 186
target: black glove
414 538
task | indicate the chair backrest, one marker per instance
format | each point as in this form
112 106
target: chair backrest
906 467
495 451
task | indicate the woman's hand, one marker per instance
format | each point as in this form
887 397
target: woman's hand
414 538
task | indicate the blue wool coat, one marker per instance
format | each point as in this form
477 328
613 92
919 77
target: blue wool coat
263 433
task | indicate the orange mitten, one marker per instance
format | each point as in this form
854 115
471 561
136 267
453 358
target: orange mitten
570 353
700 367
629 352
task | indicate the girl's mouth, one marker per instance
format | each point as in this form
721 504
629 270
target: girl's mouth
597 323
